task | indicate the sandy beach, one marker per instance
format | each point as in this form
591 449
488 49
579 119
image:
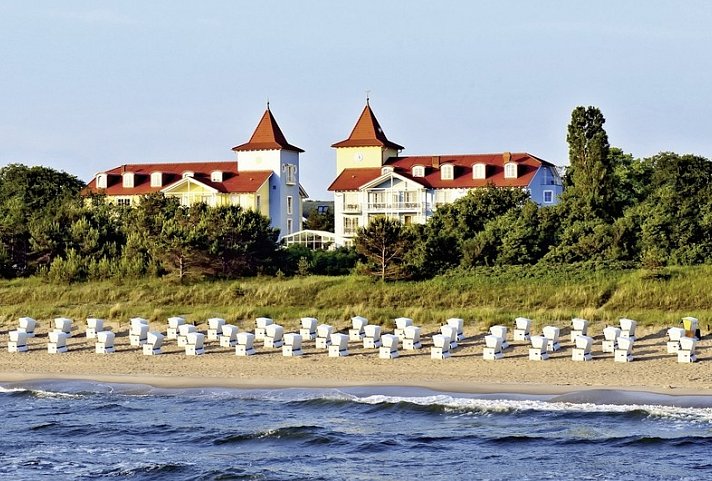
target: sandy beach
653 370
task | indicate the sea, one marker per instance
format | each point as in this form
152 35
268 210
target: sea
87 430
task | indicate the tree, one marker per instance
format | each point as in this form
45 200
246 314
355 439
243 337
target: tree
384 244
320 220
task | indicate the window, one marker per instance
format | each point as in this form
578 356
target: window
447 172
128 180
548 196
289 226
187 174
258 203
101 181
418 171
290 171
479 171
407 219
350 225
216 176
124 202
386 170
156 179
510 171
289 204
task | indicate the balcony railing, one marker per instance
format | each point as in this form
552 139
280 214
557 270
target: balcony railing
352 208
350 230
397 206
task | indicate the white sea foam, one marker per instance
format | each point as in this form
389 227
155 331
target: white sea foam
40 393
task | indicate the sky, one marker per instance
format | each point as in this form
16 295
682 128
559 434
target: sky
86 85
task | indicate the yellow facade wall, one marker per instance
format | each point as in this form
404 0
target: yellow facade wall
361 157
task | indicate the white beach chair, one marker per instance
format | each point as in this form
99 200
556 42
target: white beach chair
582 351
501 332
552 334
674 336
610 338
261 324
57 342
493 348
691 325
411 340
686 353
401 324
274 336
215 325
579 327
308 329
357 325
245 344
94 325
389 347
624 350
27 325
63 324
323 336
522 327
628 328
292 345
174 324
138 331
195 343
459 325
183 331
539 350
17 341
371 336
451 333
229 336
104 342
154 341
339 346
441 347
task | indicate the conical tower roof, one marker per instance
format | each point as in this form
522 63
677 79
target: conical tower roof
368 133
267 136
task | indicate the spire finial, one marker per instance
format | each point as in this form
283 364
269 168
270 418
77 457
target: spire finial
267 103
368 96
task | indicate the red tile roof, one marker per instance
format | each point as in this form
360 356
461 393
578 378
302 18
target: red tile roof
353 179
367 133
267 136
233 181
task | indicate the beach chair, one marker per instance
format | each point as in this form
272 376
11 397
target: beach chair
104 342
459 325
610 338
582 349
628 328
308 329
401 324
215 325
323 336
57 342
624 350
261 324
411 339
493 348
229 335
339 346
245 344
451 333
174 324
94 325
371 336
27 325
183 331
63 324
674 336
17 341
686 353
274 336
357 325
501 332
194 344
389 347
552 334
154 341
539 350
522 327
441 347
292 345
691 327
579 327
138 330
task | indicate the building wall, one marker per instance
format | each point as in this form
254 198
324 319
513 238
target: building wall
361 157
545 179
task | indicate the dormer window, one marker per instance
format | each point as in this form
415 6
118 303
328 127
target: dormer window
156 179
101 181
188 173
418 171
216 176
479 171
447 172
510 170
386 170
128 180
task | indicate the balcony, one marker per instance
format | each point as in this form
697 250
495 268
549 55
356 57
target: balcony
395 206
352 208
350 231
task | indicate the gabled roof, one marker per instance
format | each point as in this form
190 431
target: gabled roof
353 179
267 136
367 133
233 181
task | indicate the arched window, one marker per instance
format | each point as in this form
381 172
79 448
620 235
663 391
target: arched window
101 181
510 170
216 176
128 180
187 174
418 171
156 179
386 170
447 172
479 171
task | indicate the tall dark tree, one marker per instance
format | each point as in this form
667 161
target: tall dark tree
384 243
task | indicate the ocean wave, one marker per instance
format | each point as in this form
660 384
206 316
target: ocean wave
37 393
311 434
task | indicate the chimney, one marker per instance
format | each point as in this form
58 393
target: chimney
506 157
436 161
